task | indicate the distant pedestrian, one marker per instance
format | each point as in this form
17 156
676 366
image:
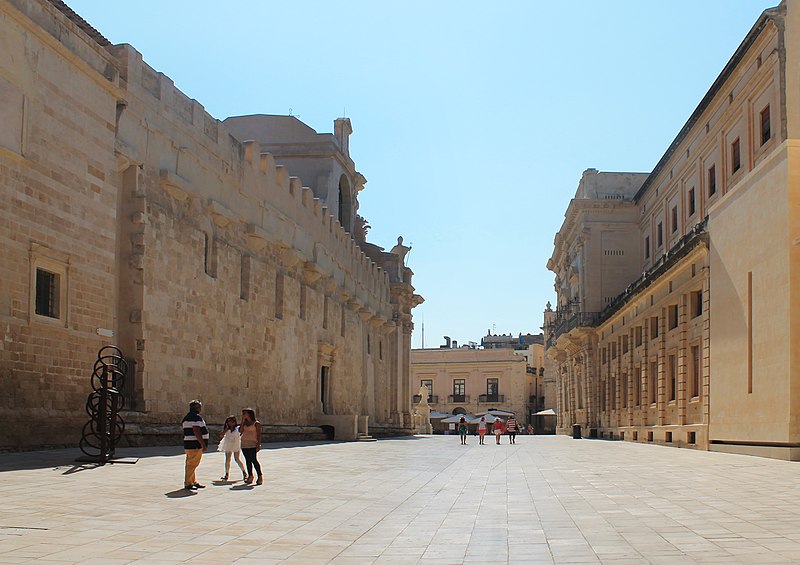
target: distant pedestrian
195 442
512 427
231 444
498 430
251 444
462 430
481 429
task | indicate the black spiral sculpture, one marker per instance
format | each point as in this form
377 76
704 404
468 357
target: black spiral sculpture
105 428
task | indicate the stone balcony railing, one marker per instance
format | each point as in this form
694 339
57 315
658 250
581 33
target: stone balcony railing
432 399
491 398
458 398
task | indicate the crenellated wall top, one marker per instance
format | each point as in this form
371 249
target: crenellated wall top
197 158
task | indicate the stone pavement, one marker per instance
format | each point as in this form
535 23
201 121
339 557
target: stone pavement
413 500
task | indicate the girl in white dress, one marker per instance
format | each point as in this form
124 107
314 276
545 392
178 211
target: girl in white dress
231 443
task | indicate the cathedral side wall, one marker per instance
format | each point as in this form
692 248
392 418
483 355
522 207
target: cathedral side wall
57 214
218 275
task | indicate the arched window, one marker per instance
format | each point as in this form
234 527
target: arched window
459 411
345 204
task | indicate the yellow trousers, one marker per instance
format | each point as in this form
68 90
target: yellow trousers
193 457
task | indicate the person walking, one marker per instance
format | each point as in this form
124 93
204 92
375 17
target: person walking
498 430
481 430
231 444
462 430
195 442
251 444
512 427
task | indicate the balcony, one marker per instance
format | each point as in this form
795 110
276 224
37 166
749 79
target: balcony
565 322
432 399
492 398
458 398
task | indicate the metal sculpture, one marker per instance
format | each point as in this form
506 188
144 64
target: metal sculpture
105 427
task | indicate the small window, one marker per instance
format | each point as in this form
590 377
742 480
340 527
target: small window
624 344
692 205
694 371
672 377
674 219
637 336
613 350
691 438
673 316
210 254
647 247
48 294
736 156
428 383
244 280
653 327
668 437
492 387
458 389
279 296
766 132
660 235
48 285
712 180
696 303
653 382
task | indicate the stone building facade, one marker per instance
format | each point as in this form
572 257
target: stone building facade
131 216
676 321
466 380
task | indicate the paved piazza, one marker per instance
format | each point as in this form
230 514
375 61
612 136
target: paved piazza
415 500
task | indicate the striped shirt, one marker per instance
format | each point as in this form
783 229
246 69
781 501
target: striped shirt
191 421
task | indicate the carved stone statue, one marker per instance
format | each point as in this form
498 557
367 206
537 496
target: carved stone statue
401 250
423 395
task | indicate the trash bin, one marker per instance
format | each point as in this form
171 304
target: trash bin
576 431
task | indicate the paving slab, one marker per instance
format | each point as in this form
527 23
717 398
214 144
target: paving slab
427 499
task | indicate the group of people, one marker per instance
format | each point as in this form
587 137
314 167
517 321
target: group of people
497 428
234 439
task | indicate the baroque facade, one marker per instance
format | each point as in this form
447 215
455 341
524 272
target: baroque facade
131 216
676 320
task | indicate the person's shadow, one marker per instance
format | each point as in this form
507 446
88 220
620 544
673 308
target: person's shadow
242 486
180 493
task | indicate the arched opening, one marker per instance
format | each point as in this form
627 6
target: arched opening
459 410
345 204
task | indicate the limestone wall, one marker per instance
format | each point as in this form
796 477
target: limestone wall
219 275
57 214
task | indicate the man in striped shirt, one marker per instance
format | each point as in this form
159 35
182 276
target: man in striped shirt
195 442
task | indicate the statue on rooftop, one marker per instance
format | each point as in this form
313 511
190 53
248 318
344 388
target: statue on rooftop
401 250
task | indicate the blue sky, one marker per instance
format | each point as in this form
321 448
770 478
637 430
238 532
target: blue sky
473 121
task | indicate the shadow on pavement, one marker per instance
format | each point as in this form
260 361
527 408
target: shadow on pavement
64 459
180 493
242 487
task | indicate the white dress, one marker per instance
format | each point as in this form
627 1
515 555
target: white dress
231 442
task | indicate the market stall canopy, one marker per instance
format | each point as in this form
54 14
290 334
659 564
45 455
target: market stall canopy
496 413
436 415
548 412
469 418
